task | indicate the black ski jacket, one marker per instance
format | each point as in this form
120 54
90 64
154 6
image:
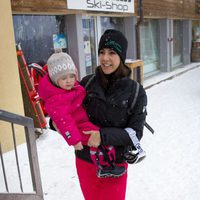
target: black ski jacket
110 110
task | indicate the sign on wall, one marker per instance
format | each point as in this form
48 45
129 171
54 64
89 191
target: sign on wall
59 41
126 6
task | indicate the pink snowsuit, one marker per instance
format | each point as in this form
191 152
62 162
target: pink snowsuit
65 109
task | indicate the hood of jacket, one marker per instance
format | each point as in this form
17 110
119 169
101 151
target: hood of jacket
47 89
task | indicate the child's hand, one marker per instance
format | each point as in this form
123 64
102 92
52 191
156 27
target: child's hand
78 146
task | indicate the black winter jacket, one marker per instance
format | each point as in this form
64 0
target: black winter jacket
109 111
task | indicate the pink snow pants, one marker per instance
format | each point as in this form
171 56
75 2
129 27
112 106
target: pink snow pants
94 188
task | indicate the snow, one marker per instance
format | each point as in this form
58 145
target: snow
171 168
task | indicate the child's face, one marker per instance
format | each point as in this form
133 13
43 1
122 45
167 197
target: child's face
67 81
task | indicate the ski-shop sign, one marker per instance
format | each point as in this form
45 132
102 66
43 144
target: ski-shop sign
102 5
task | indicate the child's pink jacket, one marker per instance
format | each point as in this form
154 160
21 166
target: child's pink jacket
66 110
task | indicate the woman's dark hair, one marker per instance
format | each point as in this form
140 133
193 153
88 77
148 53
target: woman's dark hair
108 79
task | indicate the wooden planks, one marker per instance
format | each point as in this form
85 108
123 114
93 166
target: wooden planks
179 9
38 6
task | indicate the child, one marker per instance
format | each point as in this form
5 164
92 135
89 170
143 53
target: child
63 95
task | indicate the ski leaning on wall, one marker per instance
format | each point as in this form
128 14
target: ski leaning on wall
31 98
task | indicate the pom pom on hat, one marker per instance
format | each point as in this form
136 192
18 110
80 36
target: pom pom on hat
115 40
60 64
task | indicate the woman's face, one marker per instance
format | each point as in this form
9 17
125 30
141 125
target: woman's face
109 60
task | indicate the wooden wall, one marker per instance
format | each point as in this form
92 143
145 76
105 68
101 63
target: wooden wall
11 95
40 6
171 9
182 9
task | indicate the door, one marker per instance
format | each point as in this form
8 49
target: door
89 38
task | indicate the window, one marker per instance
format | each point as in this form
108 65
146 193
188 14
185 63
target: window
177 42
149 41
36 38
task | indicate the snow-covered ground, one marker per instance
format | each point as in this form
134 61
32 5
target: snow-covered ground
171 168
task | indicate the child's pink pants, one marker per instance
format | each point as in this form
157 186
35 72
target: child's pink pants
94 188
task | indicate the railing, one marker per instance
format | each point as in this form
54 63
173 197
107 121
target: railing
36 192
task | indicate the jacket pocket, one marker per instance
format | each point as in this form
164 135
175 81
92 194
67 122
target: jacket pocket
117 113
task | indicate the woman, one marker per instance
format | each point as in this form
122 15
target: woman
110 93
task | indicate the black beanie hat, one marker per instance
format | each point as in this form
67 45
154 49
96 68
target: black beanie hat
115 40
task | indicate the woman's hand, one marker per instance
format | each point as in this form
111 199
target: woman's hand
95 138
